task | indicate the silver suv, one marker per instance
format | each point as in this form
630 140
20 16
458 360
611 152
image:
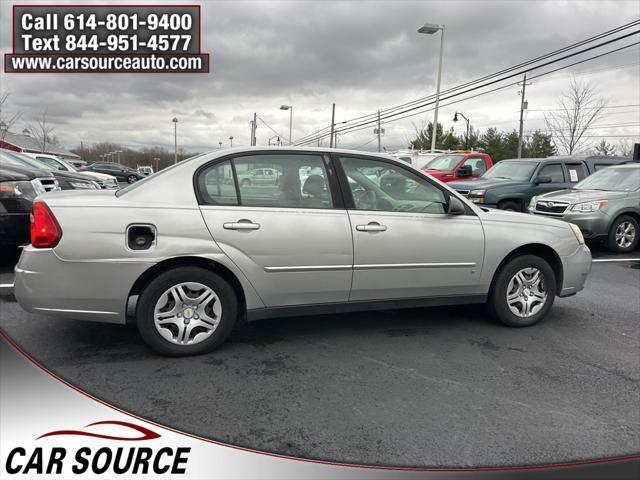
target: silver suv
189 251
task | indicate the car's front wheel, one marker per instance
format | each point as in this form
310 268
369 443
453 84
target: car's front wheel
509 206
186 311
132 179
523 291
623 235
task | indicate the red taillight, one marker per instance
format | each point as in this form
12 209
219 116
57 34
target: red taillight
45 230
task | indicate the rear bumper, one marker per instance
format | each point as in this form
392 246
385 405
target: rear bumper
94 291
576 268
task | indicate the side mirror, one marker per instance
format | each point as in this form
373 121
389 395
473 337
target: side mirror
540 180
465 171
455 207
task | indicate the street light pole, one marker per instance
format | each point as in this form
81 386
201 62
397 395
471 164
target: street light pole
290 108
175 139
231 141
455 119
430 29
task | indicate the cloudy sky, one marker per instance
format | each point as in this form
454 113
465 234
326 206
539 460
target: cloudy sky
361 55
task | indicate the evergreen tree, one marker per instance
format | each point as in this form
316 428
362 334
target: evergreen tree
423 140
540 145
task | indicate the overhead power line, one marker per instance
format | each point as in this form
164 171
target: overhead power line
366 124
531 64
269 127
509 69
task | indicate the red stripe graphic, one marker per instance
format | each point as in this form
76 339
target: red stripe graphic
146 433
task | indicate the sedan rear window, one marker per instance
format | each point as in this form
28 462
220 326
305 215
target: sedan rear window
273 180
216 185
281 180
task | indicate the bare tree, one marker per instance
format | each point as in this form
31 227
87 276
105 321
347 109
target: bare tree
604 148
579 108
625 147
42 132
7 119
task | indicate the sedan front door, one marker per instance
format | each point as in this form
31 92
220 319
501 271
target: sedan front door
405 245
292 239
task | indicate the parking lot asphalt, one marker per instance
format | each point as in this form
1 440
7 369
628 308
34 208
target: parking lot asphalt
420 387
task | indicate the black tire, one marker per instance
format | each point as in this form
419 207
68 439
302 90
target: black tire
132 179
612 243
175 276
510 206
497 301
245 183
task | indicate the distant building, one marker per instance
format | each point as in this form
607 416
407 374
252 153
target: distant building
22 142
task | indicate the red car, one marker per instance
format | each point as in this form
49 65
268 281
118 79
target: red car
458 165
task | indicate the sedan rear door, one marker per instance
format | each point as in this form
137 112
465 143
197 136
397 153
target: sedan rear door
291 239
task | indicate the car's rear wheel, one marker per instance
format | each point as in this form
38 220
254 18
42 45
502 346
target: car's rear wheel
186 311
623 235
509 206
523 291
132 179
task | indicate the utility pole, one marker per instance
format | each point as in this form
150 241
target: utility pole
253 132
523 107
333 124
379 131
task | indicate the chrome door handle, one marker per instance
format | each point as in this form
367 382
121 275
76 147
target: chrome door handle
371 227
241 225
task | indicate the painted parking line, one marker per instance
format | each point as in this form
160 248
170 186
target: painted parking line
6 285
637 259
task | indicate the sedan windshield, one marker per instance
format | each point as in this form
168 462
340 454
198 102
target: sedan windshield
444 162
520 171
612 179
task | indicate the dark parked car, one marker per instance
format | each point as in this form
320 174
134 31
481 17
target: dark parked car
122 173
66 180
511 184
18 188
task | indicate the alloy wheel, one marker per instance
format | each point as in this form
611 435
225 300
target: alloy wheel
526 293
187 313
625 234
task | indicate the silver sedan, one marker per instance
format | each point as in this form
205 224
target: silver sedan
187 253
